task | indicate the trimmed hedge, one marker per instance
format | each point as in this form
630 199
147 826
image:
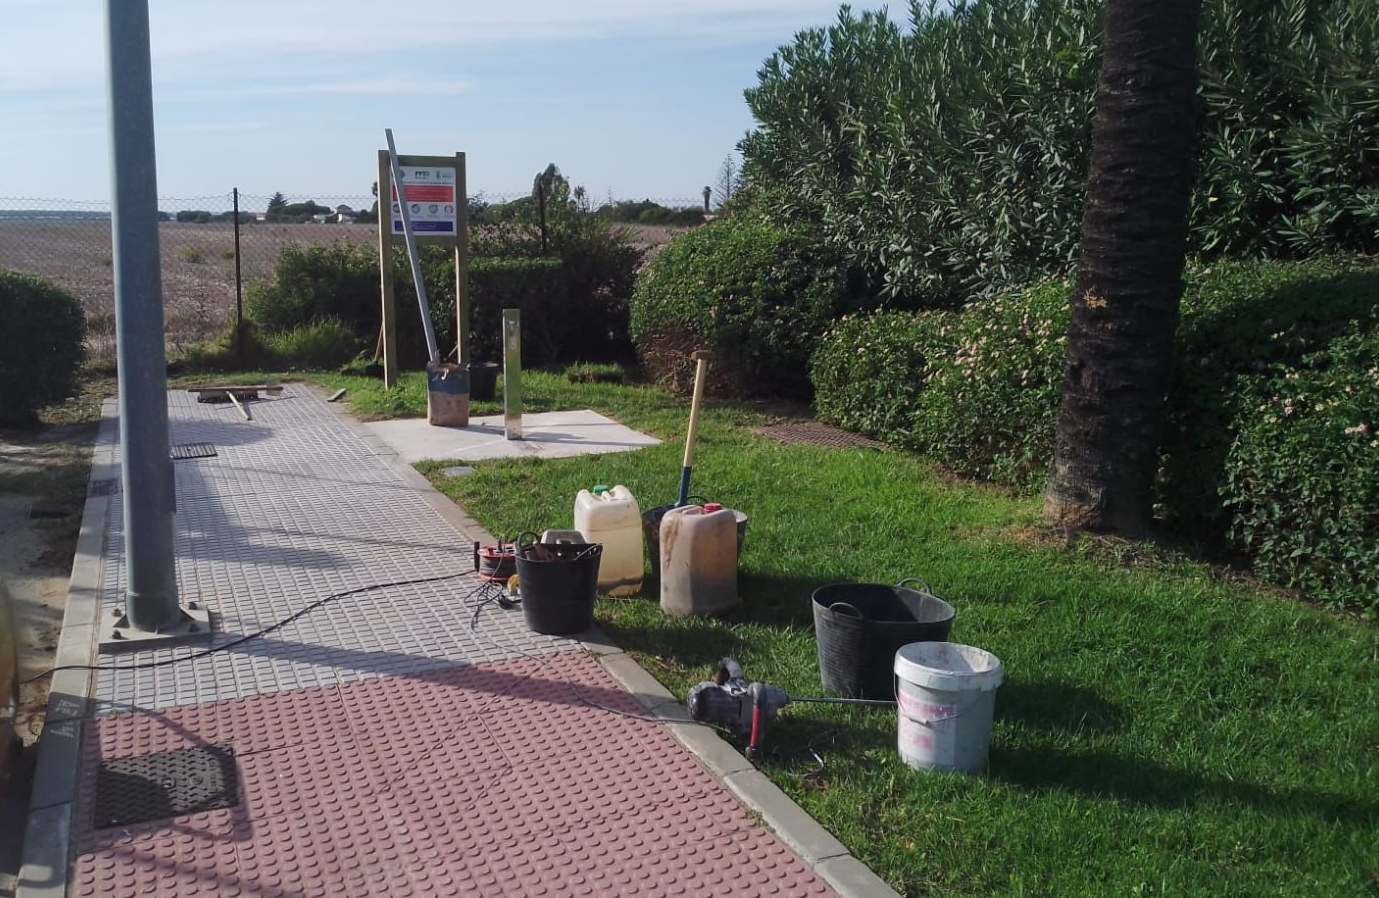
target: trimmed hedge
1302 478
870 371
550 327
340 283
991 403
310 283
757 295
45 334
979 389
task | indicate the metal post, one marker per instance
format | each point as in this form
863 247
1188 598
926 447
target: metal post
512 374
707 193
412 257
461 264
239 289
145 464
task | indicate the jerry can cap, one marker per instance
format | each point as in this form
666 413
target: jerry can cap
600 489
712 506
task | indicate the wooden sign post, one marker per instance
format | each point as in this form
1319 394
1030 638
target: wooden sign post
440 214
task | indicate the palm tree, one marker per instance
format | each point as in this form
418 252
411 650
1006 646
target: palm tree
1129 280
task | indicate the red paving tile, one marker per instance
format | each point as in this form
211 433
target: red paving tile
496 779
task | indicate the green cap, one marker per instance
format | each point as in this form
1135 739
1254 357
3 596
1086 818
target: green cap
599 490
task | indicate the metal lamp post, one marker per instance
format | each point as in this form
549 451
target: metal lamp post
146 477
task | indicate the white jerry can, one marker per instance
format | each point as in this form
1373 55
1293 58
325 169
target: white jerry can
611 518
698 560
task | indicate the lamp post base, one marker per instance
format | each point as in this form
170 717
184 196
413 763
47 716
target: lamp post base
117 634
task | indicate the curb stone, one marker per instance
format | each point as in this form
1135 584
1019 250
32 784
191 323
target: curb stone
48 832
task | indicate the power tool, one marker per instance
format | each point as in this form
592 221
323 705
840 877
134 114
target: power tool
748 707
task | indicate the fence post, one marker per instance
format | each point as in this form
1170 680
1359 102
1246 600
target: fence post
707 193
239 290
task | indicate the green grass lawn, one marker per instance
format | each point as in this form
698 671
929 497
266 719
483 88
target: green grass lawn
1162 731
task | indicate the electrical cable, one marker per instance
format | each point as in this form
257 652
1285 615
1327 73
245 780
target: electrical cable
495 596
245 638
488 594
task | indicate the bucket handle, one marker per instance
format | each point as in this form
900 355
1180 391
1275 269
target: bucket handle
847 609
953 713
900 584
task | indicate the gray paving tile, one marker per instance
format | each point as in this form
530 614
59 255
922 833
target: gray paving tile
294 507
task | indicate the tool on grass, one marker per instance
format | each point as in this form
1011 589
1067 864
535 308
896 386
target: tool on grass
701 373
748 707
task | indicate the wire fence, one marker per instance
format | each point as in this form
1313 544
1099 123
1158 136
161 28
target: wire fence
68 243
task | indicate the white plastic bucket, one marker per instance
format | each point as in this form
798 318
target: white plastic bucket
945 696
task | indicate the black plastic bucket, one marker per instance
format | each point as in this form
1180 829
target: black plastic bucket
651 530
860 626
483 381
558 584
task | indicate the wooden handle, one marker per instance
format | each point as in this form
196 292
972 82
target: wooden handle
701 374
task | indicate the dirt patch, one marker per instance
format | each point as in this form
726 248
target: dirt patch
198 265
42 493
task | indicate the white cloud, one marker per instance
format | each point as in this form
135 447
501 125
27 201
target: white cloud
374 87
58 44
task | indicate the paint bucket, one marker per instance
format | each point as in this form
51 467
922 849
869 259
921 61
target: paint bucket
447 395
558 583
858 627
946 698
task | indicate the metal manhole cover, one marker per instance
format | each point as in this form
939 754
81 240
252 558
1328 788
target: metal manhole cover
105 486
815 434
192 450
165 784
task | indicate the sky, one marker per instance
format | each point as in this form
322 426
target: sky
637 98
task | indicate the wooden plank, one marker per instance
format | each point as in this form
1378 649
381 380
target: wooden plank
238 388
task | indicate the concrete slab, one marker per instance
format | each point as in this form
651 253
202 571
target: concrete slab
548 435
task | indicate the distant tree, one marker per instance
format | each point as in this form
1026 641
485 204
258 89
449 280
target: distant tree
278 202
299 212
549 188
729 180
197 216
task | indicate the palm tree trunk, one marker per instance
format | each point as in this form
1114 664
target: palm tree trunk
1129 282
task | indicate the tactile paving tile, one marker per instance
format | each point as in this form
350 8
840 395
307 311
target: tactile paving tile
531 777
286 514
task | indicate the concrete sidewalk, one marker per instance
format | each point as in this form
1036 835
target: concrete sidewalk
397 741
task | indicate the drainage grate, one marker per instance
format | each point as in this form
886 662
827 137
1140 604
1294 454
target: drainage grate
165 784
815 434
192 450
105 486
